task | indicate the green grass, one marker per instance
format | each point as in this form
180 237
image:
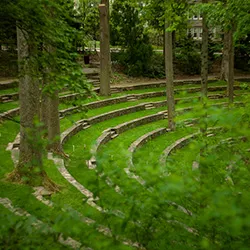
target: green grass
21 195
8 106
112 158
8 91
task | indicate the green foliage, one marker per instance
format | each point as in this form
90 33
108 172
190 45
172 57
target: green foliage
187 57
50 29
242 53
22 233
131 36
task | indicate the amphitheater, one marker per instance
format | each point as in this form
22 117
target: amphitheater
128 180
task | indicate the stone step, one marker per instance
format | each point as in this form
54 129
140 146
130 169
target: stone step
113 134
85 125
114 91
149 106
93 80
91 163
210 134
96 84
131 98
94 64
94 77
5 101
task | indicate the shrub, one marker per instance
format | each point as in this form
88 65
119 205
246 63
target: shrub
187 58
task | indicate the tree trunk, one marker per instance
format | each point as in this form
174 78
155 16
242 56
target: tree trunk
30 164
225 57
164 43
54 124
43 109
169 76
50 111
104 51
204 55
230 82
106 2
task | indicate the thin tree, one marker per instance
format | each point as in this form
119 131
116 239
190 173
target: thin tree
224 61
104 50
230 81
204 53
169 75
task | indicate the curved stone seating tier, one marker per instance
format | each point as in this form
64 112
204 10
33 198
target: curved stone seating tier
138 143
111 133
73 96
14 82
115 131
9 97
9 84
181 143
9 114
143 140
161 84
132 97
85 123
177 144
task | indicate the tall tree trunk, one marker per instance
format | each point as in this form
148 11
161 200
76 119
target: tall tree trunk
225 57
43 109
30 166
30 163
54 124
230 82
106 2
50 111
169 76
164 44
204 54
104 51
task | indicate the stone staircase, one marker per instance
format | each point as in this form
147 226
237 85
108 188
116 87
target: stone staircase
92 73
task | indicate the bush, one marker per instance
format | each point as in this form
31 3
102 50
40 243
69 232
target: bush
135 60
188 62
187 57
156 67
8 63
242 54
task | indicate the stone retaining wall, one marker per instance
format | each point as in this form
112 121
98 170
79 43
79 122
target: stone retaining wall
9 85
103 139
115 113
177 144
138 122
145 138
9 97
67 134
9 114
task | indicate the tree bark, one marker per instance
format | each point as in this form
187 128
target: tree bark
225 57
30 166
50 110
169 76
104 51
204 55
230 82
106 2
54 124
30 157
